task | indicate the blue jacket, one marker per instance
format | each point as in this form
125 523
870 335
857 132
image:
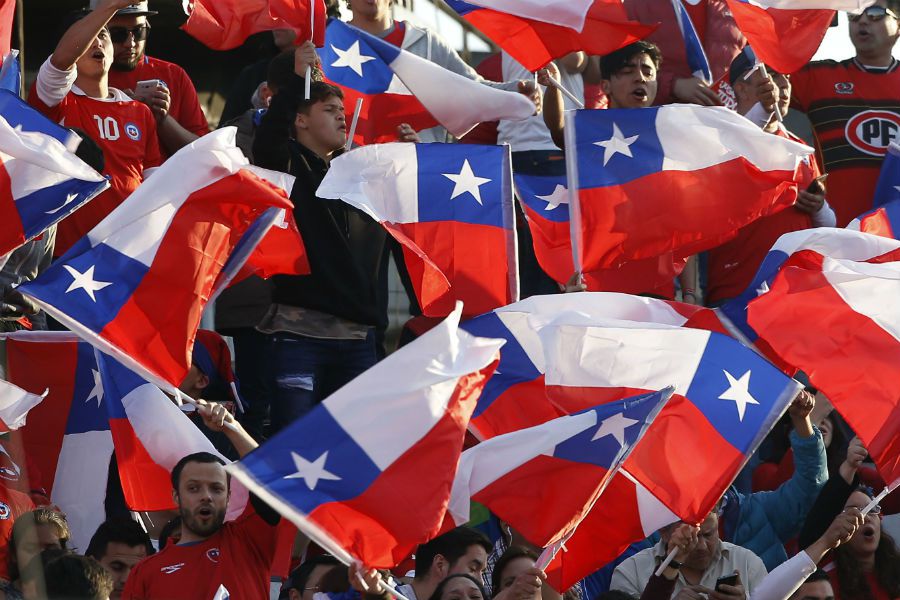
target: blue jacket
764 521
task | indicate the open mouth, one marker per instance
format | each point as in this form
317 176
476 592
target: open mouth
204 512
640 94
868 532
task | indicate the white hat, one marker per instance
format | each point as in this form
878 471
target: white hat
138 9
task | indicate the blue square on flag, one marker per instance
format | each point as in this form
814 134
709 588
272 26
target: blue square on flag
87 411
616 146
348 59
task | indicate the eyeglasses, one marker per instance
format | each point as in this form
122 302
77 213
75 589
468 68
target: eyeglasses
876 510
875 13
119 35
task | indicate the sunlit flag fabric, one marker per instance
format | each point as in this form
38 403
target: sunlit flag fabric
451 208
888 188
136 284
11 73
529 35
7 12
836 320
696 55
225 24
41 182
720 172
367 473
726 400
543 480
514 397
884 220
15 403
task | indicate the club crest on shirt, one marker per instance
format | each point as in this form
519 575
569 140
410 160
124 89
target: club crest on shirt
5 512
133 131
872 131
843 87
213 554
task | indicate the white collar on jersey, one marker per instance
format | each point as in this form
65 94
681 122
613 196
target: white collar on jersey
115 95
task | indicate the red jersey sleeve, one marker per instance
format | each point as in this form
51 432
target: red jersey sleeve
152 152
188 111
54 113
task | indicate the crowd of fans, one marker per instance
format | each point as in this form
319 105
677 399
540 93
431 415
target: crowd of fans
791 528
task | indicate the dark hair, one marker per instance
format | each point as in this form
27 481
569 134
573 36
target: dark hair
73 577
614 62
818 575
197 457
71 18
511 554
168 529
452 545
439 590
37 566
300 575
894 5
120 530
851 581
319 91
615 595
28 522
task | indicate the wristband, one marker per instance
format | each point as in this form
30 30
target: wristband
674 564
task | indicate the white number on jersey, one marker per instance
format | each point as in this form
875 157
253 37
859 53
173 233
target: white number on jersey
108 128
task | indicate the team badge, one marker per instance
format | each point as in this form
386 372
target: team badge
213 554
872 131
5 512
133 131
843 87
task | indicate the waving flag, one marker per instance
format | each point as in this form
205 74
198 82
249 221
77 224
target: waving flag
696 55
367 473
720 172
883 221
225 24
41 182
834 319
545 479
7 12
15 404
888 188
529 34
11 73
449 206
136 284
21 116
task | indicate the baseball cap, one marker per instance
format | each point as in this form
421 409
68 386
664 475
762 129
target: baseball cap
741 64
138 9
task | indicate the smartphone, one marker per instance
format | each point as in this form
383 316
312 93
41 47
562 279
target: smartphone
726 580
149 86
817 185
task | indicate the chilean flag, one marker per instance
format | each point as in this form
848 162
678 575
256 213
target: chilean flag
225 24
451 208
11 73
41 182
888 188
135 286
720 172
883 221
367 473
836 319
696 55
527 31
543 480
15 403
726 400
514 397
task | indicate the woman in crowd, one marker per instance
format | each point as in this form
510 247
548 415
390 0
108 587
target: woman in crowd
459 586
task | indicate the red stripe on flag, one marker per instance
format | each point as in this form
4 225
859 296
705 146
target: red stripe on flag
12 234
145 483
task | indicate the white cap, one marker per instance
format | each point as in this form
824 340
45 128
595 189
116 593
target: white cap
138 9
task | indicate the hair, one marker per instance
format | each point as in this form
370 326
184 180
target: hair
28 522
615 595
196 457
511 554
614 62
300 575
168 529
319 91
73 577
818 575
439 590
120 530
850 578
332 9
452 545
37 566
894 5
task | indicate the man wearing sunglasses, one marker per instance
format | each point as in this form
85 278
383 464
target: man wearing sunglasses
174 94
854 107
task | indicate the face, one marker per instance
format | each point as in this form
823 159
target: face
35 541
473 563
513 569
194 382
702 555
324 127
461 588
129 52
633 86
95 63
370 8
118 561
874 37
865 541
202 498
827 429
818 590
783 83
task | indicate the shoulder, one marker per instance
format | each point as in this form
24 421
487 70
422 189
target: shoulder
165 68
742 555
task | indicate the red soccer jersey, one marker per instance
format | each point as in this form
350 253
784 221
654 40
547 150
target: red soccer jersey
239 557
126 132
855 113
185 107
13 504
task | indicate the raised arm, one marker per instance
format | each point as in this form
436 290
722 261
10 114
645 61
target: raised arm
79 37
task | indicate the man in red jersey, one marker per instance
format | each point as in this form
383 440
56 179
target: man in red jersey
184 122
72 89
854 106
210 553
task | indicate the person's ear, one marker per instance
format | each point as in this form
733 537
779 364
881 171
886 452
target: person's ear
440 566
300 122
202 381
604 85
175 497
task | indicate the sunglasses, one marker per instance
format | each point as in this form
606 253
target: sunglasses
119 35
875 13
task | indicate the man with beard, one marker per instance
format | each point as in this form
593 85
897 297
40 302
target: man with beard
174 93
210 553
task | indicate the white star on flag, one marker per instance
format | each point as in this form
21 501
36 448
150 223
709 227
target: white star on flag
897 187
466 182
85 281
560 195
614 426
763 288
617 144
69 199
311 472
738 392
351 57
97 390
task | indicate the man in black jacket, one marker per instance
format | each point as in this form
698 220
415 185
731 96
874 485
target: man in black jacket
320 326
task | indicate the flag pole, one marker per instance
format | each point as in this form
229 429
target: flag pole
761 67
312 25
876 500
572 182
665 563
349 143
566 92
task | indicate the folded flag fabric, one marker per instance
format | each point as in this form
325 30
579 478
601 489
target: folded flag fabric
888 188
135 286
567 13
883 221
11 73
696 55
720 172
367 473
225 24
15 404
529 35
451 208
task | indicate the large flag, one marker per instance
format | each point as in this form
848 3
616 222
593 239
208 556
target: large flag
529 35
836 319
514 397
888 188
7 12
21 116
364 62
225 24
696 55
136 284
720 172
41 182
544 480
367 473
451 208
